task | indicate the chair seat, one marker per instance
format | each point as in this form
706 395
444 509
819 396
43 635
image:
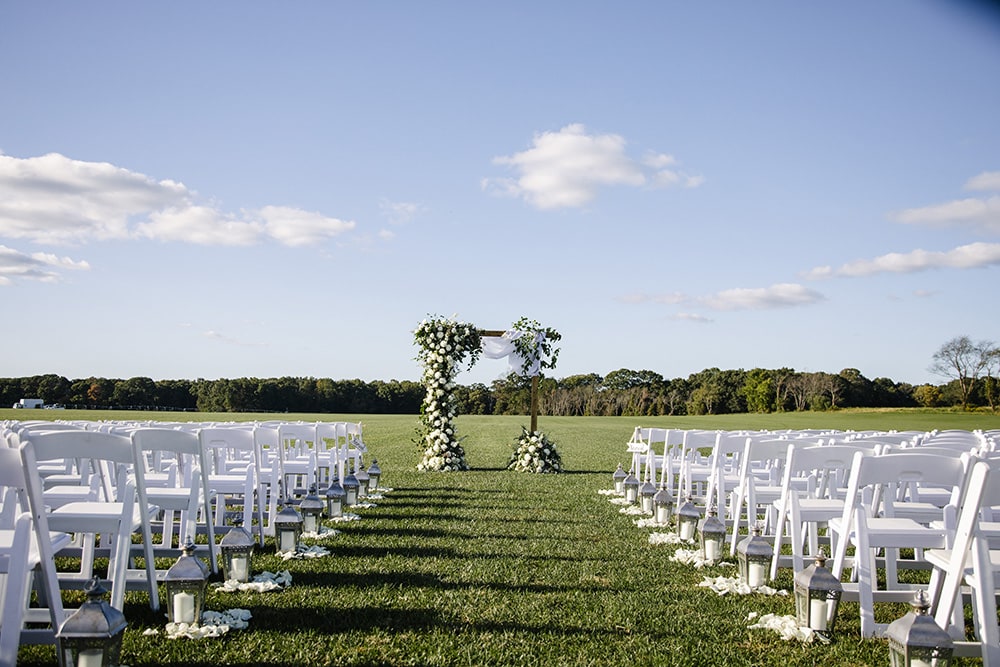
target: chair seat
59 540
169 498
83 516
820 509
898 532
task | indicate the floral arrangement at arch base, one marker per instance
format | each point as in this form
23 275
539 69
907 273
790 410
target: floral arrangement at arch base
534 452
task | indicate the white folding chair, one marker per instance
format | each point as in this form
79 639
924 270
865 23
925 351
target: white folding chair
27 548
234 477
759 484
812 493
185 505
973 563
869 523
104 526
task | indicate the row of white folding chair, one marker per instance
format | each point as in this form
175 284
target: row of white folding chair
971 568
869 522
27 550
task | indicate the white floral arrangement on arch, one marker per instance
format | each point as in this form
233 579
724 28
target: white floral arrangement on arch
444 345
535 453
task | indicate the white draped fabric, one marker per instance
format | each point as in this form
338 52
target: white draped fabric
498 347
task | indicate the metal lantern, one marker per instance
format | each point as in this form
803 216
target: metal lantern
754 555
631 486
663 505
186 581
237 549
351 486
917 640
646 492
287 529
335 496
712 535
817 594
688 517
92 635
312 512
363 481
619 478
374 474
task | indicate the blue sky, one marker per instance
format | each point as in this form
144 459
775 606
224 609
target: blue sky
266 189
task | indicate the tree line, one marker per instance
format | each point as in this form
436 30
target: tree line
972 369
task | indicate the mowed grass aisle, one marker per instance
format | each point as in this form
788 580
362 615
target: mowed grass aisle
491 567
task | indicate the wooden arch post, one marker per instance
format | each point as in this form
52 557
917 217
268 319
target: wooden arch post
494 333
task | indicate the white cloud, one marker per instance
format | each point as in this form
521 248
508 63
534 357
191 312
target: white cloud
386 234
973 255
295 227
988 181
53 199
693 317
16 265
782 295
567 169
399 213
980 213
198 224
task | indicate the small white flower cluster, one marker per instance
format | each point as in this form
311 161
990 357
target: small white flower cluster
610 492
535 453
213 624
349 516
633 510
302 551
444 343
667 538
650 522
724 585
262 583
786 626
321 534
694 557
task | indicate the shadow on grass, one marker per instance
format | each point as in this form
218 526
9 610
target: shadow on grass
403 580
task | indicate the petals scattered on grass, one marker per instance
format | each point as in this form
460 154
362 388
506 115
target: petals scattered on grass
786 626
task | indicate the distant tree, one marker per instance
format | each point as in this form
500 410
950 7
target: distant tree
963 360
625 378
758 390
137 391
928 396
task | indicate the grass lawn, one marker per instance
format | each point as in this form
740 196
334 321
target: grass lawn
490 567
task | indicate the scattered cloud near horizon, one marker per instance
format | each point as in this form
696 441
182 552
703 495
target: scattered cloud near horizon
781 295
970 256
567 168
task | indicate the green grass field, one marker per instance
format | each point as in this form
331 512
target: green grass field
491 567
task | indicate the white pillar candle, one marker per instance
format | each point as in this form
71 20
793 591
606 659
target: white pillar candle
711 550
287 541
662 514
755 574
91 657
239 568
309 523
817 614
687 530
184 607
352 496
